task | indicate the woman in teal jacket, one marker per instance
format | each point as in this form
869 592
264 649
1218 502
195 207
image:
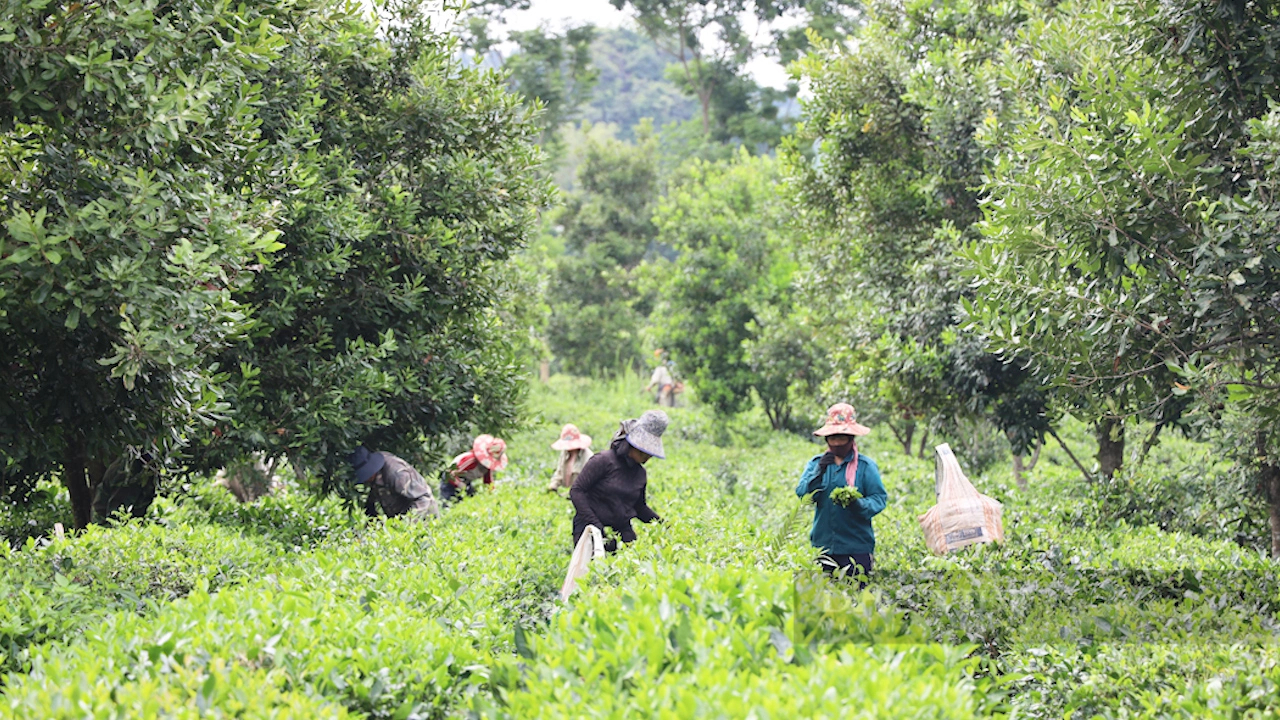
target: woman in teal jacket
842 526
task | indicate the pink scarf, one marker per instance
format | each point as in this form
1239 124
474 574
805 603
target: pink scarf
851 470
570 456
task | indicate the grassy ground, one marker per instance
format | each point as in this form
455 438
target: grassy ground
1101 602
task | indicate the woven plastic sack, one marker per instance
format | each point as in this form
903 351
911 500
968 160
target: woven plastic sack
590 546
963 516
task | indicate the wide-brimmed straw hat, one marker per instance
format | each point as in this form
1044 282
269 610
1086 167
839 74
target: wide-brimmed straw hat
365 463
490 451
571 439
842 419
646 434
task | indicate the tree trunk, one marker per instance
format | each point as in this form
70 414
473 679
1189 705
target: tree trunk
73 476
924 440
1017 472
1110 432
904 436
1269 478
1035 454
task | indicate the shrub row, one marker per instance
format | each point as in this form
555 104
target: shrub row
715 612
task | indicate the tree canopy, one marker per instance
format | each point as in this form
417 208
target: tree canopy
250 228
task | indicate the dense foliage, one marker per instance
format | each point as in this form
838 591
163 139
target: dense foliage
376 321
886 202
1052 209
1130 207
729 286
230 229
597 308
718 611
129 225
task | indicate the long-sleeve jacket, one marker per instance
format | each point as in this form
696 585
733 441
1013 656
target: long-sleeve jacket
399 489
558 479
840 530
458 480
609 492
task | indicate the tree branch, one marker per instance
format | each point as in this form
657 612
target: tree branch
1088 476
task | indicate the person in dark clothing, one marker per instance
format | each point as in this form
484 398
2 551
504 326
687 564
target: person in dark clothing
129 484
610 490
394 486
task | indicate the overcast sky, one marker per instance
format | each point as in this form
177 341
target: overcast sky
560 13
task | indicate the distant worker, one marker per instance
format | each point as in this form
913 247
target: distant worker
128 485
842 523
610 491
575 451
487 455
662 382
395 486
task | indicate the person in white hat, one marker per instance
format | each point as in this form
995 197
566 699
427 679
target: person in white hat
842 524
610 491
575 451
488 454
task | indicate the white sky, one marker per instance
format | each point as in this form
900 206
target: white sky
560 13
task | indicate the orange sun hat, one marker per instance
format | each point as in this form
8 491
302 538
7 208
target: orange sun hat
571 439
842 419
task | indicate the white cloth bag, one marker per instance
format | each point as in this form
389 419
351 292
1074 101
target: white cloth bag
962 516
590 546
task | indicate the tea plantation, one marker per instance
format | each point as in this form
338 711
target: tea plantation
294 608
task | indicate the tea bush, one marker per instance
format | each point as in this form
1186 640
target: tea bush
35 515
717 611
54 589
670 642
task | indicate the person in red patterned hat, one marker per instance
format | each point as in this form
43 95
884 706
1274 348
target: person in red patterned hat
575 451
847 493
487 455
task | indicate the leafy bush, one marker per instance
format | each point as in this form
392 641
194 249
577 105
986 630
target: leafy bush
34 514
288 518
732 643
720 610
1199 495
55 589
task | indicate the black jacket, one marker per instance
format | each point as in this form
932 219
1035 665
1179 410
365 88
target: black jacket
609 492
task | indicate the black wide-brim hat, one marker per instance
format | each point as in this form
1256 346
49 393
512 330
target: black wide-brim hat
366 464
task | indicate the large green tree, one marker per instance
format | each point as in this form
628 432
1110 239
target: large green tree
886 172
128 132
380 320
1130 248
155 159
725 300
597 309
